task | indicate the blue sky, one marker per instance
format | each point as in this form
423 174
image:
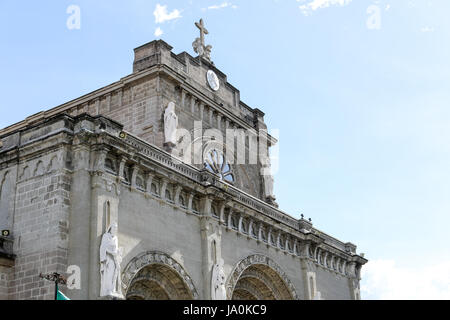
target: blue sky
359 91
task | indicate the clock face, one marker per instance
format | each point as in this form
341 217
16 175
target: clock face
213 80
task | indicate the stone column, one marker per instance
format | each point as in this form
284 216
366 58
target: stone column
353 281
108 102
163 188
222 212
192 104
120 97
79 235
278 242
260 230
295 248
133 176
230 214
250 228
211 235
97 106
211 111
183 98
104 196
219 120
149 183
176 198
121 174
241 217
205 205
189 205
202 107
100 158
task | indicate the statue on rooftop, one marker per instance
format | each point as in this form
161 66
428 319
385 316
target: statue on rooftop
204 51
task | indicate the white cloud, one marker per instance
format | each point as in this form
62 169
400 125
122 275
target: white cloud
221 6
427 29
383 279
162 15
313 5
158 32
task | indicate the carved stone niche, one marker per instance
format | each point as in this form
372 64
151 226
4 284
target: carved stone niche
207 177
350 248
304 226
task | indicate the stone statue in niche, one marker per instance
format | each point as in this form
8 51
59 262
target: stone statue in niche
218 290
170 126
110 259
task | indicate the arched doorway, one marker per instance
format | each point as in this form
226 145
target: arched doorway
259 278
156 276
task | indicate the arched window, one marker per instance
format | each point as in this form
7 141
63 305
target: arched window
216 163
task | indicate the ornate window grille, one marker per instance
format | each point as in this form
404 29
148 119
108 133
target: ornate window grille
216 163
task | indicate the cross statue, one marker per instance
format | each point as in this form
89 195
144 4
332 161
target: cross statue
203 31
199 46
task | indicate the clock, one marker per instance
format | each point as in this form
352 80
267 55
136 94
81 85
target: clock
213 80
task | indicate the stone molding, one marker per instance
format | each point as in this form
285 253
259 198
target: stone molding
155 257
257 259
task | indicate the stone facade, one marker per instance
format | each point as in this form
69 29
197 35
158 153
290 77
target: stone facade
67 173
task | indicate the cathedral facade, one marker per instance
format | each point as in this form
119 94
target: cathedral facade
157 186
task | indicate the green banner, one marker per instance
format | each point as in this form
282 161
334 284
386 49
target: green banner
61 296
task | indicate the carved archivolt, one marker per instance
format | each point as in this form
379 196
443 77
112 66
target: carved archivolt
148 258
260 260
39 168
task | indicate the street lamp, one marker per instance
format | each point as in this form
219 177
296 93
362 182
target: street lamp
56 278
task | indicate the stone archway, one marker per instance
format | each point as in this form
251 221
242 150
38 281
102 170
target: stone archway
156 276
258 277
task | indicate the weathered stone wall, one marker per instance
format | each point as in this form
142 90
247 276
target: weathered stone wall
40 226
39 207
5 275
332 285
7 181
155 225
